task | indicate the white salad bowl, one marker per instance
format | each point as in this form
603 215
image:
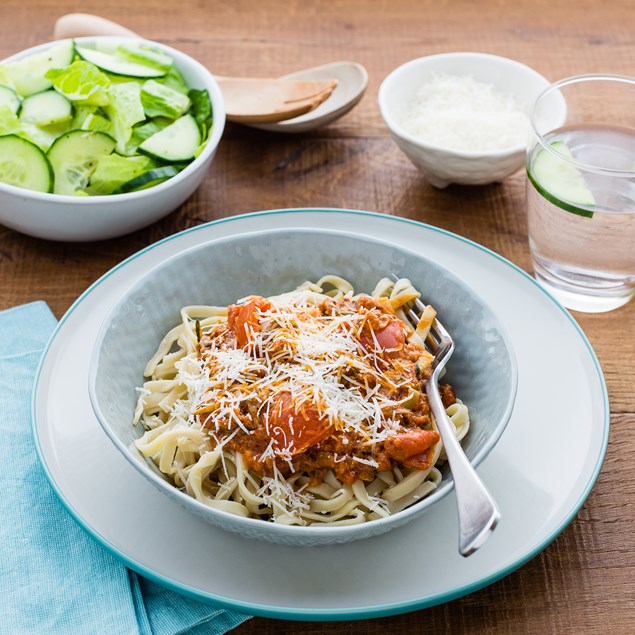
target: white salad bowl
441 165
482 370
88 218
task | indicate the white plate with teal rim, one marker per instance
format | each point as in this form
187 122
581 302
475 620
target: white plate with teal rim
540 472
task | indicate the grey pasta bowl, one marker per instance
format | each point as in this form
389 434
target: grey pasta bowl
482 370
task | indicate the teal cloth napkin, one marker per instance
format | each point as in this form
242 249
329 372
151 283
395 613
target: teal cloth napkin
53 577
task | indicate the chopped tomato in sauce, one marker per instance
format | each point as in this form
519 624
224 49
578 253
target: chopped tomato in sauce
243 319
390 339
296 430
411 447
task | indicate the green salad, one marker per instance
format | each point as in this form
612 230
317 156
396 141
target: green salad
104 119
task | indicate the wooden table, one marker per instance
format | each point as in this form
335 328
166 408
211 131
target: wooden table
585 580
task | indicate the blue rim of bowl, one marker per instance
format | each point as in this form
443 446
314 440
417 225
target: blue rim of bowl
322 535
326 614
218 127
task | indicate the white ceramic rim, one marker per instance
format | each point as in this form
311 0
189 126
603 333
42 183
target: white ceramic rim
397 130
565 512
218 114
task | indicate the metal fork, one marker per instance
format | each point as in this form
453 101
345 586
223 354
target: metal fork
478 513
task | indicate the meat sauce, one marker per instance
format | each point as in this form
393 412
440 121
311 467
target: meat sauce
303 438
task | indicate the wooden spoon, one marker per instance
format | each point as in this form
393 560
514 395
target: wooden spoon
247 99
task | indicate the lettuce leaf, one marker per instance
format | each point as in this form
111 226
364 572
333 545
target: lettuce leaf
81 82
9 122
124 111
162 101
202 111
113 170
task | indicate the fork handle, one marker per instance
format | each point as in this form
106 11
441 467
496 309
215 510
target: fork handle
478 513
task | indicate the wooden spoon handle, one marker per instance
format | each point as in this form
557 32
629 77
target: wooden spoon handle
81 24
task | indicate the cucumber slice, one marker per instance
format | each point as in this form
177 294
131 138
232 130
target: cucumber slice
74 156
145 55
178 142
23 164
144 130
560 182
46 109
149 179
111 63
10 99
28 74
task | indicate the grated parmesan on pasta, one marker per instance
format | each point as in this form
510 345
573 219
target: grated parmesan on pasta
461 113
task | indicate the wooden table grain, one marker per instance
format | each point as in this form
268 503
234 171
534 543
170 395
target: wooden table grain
585 580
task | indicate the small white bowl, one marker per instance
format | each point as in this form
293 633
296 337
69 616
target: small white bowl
442 166
85 218
482 369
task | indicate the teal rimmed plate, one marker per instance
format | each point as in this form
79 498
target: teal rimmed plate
540 472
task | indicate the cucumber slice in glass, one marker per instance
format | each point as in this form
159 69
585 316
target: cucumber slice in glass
23 164
561 182
74 157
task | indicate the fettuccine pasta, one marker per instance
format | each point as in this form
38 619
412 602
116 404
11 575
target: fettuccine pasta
304 408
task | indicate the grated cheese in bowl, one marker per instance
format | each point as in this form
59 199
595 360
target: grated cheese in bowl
460 113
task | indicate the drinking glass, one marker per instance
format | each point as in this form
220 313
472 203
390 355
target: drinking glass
581 192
